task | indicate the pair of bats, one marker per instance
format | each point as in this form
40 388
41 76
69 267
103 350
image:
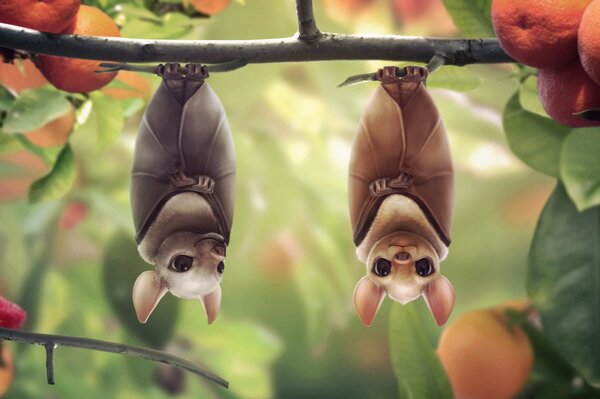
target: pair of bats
400 191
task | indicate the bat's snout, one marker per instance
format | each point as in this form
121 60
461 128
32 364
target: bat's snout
402 257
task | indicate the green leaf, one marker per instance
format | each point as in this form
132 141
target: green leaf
580 167
33 109
564 281
8 144
454 78
109 118
528 97
536 140
58 182
122 265
416 365
6 99
472 17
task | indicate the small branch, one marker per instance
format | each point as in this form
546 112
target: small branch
328 46
224 67
53 341
307 26
435 63
50 362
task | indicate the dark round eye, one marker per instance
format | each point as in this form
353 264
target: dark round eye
382 267
221 267
424 267
181 263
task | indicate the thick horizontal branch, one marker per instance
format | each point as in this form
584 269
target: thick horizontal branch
52 341
329 46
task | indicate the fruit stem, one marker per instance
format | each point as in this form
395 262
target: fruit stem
50 342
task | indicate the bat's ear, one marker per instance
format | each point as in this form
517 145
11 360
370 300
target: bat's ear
368 297
439 296
212 304
147 292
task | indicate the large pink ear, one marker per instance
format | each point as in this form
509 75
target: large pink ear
212 304
368 297
439 296
147 292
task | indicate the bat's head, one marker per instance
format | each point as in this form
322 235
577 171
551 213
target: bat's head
188 265
404 266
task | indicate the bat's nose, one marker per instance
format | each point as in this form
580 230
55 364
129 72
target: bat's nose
402 257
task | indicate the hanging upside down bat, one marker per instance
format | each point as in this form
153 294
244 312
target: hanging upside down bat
401 197
182 192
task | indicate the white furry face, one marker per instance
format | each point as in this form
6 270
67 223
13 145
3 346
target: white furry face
403 263
190 267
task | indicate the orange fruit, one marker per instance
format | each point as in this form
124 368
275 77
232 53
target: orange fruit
6 370
76 75
21 75
210 7
29 168
138 86
485 357
51 16
566 91
54 133
539 33
589 45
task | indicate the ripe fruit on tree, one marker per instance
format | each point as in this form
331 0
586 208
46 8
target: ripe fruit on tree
134 86
55 132
566 91
484 356
589 45
77 75
210 7
6 369
539 33
21 75
51 16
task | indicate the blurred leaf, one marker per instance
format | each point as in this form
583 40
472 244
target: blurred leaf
454 78
580 167
131 106
416 365
564 265
528 97
34 108
534 139
472 17
8 144
6 98
58 182
109 117
141 23
122 265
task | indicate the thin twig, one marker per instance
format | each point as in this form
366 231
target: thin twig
224 67
329 46
50 362
103 346
307 26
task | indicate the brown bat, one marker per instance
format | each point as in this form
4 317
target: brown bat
401 197
182 192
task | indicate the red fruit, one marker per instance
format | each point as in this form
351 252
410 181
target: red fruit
51 16
589 45
73 215
539 33
11 314
566 91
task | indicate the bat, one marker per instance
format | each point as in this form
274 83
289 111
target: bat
401 197
182 192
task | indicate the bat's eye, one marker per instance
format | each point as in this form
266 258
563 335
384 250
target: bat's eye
221 267
181 263
424 267
382 267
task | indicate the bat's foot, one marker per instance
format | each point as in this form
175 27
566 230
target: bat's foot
170 71
415 73
388 74
391 74
196 72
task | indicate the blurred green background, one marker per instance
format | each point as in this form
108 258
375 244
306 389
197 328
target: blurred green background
287 326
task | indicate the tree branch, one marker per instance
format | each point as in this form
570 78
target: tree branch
307 26
50 342
329 46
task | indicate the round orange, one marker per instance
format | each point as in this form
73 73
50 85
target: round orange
6 371
76 75
539 33
484 357
51 16
566 91
589 45
54 133
21 75
137 86
210 7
